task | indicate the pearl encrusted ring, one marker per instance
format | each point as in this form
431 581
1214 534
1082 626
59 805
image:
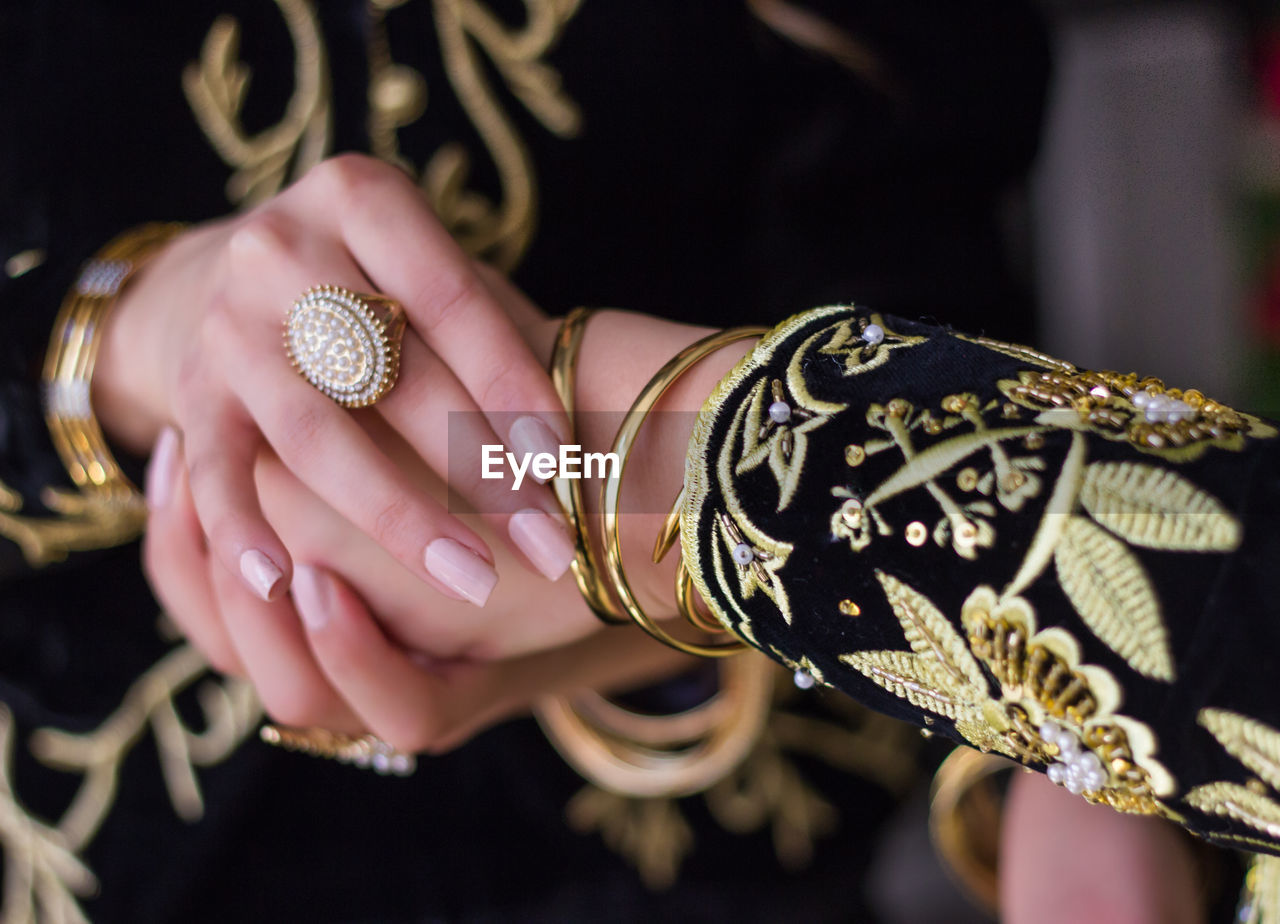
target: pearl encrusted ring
345 344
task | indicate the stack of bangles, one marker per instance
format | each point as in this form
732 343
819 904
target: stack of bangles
615 603
629 753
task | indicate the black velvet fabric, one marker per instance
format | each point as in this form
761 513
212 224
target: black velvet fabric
722 175
1192 528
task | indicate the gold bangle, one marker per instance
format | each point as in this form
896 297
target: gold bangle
568 491
646 756
964 821
69 364
622 444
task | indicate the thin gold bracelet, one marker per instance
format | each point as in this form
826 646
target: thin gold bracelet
72 354
670 756
586 569
612 490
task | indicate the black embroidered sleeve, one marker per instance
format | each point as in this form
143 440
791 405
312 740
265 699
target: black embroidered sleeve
1075 569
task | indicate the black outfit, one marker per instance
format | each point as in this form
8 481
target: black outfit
722 174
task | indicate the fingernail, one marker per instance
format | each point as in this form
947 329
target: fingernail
310 596
542 539
530 436
461 570
162 470
261 573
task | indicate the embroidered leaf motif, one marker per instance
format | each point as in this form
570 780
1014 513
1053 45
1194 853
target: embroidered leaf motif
1157 508
1237 802
1249 741
919 679
930 634
1113 596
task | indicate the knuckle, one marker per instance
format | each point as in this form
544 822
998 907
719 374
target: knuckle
302 427
503 388
447 294
389 523
220 329
263 238
346 175
202 468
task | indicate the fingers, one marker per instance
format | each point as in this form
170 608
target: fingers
332 454
394 697
401 245
318 440
221 448
416 705
423 408
270 643
175 559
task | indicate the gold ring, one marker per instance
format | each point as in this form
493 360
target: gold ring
365 751
345 344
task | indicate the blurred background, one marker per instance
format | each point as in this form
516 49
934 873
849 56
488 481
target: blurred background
1154 215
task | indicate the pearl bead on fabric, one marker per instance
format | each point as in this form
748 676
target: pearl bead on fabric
1075 769
780 412
873 334
743 554
1162 408
804 680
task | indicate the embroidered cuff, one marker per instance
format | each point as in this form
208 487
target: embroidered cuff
1075 569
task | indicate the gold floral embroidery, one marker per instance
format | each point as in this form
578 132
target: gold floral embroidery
1107 403
846 342
1110 590
1018 351
42 872
1157 509
1041 680
966 525
1105 582
783 445
1257 746
216 88
80 521
217 84
499 233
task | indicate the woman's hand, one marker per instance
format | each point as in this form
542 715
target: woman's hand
196 341
348 672
319 658
1064 860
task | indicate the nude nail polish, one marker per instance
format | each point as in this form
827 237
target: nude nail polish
260 572
542 539
461 570
309 597
530 436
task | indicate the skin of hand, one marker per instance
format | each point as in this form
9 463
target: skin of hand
1063 861
427 673
195 342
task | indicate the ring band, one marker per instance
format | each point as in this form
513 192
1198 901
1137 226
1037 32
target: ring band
345 344
365 751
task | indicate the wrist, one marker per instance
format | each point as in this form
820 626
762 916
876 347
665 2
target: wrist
620 353
128 389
